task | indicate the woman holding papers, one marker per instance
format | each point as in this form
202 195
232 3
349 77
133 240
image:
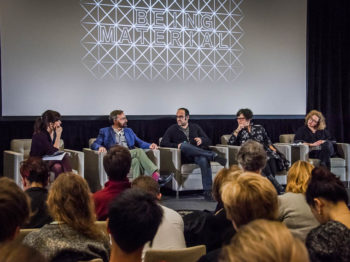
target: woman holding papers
46 140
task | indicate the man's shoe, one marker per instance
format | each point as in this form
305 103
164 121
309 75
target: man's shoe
164 179
208 196
222 161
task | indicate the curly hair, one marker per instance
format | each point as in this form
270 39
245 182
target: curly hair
321 122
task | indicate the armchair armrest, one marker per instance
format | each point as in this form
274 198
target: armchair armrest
343 150
76 159
232 152
170 159
286 150
223 151
154 156
93 169
12 161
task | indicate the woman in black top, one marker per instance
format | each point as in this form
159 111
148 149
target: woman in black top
315 135
328 200
35 176
247 131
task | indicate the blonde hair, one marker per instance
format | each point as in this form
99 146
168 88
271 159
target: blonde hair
69 201
250 196
321 122
220 179
299 176
263 240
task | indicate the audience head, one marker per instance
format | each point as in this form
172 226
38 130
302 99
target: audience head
316 120
323 192
15 252
263 240
250 196
49 118
252 156
221 177
69 201
134 217
299 176
34 169
147 184
14 209
117 163
245 112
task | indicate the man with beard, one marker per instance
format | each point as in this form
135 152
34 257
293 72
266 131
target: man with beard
120 134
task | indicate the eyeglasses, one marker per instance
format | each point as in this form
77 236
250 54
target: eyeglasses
180 117
313 120
240 118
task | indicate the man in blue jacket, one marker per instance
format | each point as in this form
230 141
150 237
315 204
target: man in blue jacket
119 134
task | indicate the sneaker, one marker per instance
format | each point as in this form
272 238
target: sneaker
222 161
162 180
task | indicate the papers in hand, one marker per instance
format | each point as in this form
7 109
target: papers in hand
58 155
296 144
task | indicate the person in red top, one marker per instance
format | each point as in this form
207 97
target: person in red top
117 164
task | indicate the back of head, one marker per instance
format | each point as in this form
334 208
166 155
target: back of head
69 201
252 156
147 184
263 240
299 176
14 208
221 177
42 122
15 252
34 169
117 163
134 218
324 184
250 196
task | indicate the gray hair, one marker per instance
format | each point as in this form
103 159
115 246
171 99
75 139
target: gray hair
252 156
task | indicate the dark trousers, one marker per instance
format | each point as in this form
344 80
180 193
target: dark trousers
270 171
202 157
327 150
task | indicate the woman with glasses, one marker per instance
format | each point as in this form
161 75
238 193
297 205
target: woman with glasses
315 135
246 130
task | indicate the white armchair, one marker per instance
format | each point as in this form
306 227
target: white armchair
285 149
19 151
94 170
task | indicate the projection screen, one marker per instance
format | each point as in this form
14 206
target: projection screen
149 57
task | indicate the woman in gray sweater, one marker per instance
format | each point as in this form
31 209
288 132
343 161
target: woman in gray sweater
294 212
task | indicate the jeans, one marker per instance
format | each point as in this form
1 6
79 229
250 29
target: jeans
202 158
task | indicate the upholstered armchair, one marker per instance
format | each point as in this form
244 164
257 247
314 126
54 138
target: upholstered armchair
339 164
186 176
285 149
19 151
94 171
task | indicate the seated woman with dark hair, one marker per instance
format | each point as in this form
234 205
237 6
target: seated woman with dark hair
46 140
245 131
35 176
74 235
328 201
316 136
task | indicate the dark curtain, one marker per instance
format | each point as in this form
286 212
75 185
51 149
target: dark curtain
329 63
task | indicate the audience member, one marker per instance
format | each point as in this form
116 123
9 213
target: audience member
35 176
170 234
134 218
116 163
294 212
46 140
317 137
120 134
245 131
264 241
328 200
14 209
194 144
252 157
73 236
17 252
246 197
